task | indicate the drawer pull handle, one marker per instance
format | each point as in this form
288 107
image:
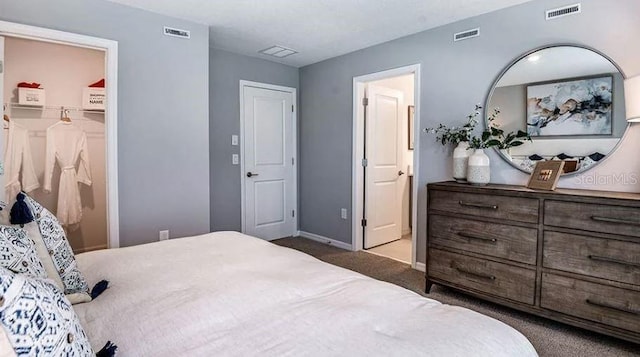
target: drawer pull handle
479 275
612 307
613 260
478 205
615 220
477 237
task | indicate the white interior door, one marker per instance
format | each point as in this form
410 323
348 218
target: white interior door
383 175
269 166
2 135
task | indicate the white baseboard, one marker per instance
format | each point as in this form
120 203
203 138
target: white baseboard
421 266
89 249
325 240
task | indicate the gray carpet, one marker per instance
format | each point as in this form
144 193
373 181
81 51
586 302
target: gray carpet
548 337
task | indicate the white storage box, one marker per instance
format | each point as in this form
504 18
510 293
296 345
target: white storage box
31 96
93 98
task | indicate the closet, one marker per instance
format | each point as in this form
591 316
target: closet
63 123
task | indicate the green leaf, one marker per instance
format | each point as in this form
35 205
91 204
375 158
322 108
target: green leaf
509 138
492 143
516 143
485 135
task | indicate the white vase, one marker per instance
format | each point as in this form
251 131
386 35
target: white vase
460 161
479 168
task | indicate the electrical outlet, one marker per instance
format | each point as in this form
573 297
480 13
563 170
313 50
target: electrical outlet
235 159
343 213
234 140
164 235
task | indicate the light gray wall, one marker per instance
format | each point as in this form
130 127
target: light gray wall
512 101
163 106
225 72
455 76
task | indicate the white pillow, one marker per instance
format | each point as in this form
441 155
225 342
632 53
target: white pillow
37 319
18 252
56 254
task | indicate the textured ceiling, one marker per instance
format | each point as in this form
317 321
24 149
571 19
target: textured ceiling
556 63
318 29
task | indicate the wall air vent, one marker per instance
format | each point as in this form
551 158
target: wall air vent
278 51
169 31
465 35
563 11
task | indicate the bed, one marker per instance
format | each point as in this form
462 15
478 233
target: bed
228 294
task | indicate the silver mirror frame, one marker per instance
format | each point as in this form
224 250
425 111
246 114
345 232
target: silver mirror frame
518 59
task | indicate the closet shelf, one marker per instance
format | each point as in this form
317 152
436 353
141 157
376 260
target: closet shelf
53 107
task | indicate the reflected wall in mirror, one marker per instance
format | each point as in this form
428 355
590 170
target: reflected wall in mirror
570 99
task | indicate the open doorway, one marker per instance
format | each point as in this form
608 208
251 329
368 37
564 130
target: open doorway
385 122
65 131
59 93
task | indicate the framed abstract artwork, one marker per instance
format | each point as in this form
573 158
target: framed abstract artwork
573 107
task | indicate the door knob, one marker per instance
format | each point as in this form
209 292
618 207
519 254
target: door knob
400 173
250 174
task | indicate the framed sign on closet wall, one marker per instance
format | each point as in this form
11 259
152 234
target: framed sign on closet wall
110 48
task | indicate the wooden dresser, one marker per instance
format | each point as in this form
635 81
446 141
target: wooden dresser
568 255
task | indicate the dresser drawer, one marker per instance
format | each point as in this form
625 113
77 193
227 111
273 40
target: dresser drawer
489 277
502 207
496 240
592 217
600 303
602 258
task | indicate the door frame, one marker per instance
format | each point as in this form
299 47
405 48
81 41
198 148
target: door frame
357 187
110 48
294 190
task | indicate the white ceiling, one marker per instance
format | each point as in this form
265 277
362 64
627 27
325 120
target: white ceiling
557 63
318 29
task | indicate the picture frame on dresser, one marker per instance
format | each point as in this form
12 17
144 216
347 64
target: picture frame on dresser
568 255
545 175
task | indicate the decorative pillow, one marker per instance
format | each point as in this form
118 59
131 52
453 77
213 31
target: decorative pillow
18 253
562 156
596 156
37 319
59 251
586 163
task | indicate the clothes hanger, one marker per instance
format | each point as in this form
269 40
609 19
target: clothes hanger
64 115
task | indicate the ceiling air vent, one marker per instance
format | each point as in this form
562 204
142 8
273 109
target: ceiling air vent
169 31
278 51
563 11
465 35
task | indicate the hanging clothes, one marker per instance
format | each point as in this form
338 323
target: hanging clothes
19 172
66 145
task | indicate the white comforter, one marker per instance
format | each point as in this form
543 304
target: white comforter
228 294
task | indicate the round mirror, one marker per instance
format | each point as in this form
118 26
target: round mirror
569 99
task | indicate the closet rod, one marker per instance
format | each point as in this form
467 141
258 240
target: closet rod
51 107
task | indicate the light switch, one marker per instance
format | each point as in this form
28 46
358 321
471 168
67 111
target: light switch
235 159
234 140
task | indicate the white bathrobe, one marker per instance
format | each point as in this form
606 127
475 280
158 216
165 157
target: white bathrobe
19 174
66 145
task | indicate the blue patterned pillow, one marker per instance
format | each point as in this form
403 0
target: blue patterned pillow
18 252
37 319
55 240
